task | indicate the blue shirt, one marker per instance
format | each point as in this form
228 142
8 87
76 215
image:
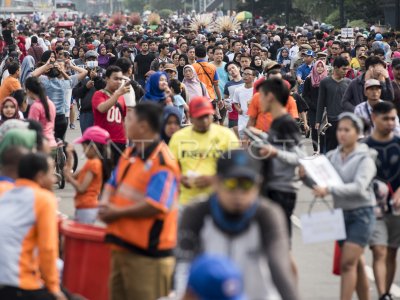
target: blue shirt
223 77
303 71
57 91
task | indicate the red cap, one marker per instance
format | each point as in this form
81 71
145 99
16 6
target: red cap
200 106
94 134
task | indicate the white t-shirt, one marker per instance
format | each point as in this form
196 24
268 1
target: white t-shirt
242 96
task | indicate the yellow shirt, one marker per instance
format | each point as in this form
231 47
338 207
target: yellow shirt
354 63
197 154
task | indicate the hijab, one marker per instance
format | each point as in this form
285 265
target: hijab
280 57
153 91
169 111
315 77
104 60
18 137
27 66
11 124
194 86
180 68
16 114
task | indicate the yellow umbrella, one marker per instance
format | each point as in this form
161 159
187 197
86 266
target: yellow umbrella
244 15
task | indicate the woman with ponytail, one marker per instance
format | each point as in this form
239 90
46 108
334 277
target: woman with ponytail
42 110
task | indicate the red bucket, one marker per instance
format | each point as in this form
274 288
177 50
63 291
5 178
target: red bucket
86 260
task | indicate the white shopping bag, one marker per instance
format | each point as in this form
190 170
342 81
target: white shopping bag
323 226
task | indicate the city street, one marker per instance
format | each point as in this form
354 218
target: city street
314 261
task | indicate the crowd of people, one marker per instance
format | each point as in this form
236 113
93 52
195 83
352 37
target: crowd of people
193 143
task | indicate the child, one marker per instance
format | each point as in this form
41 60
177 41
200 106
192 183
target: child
178 101
21 97
9 109
88 182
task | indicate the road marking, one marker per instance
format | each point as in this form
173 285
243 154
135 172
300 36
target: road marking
395 289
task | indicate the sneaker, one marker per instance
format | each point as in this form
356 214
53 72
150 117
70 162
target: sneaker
386 296
72 126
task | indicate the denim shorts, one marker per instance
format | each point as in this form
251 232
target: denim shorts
359 225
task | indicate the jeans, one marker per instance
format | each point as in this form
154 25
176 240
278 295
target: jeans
86 215
86 120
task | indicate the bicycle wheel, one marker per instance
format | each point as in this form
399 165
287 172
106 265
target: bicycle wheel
61 158
74 159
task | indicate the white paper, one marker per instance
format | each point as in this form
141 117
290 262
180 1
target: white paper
323 226
321 171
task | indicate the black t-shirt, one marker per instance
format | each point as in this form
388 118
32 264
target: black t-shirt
143 64
388 160
7 35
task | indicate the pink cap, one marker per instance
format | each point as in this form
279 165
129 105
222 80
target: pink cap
94 134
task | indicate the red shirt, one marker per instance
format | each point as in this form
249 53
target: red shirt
112 120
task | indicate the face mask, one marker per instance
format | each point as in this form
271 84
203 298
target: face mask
92 64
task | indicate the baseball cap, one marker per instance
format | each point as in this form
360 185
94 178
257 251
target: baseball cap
309 53
272 65
238 164
305 47
395 63
372 82
256 45
171 67
200 106
94 134
214 277
378 37
91 53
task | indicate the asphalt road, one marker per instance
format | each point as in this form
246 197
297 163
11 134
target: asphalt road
314 261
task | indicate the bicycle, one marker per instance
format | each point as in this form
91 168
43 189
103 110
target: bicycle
60 160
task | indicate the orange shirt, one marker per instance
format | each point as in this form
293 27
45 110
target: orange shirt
9 85
29 237
89 199
203 68
264 120
151 177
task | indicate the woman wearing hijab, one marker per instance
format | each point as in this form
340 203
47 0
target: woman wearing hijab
284 60
256 63
9 109
194 87
156 86
171 122
395 54
103 58
183 61
27 66
310 94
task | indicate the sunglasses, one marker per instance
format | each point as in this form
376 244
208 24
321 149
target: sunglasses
243 184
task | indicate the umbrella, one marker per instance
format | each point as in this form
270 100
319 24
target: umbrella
244 15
